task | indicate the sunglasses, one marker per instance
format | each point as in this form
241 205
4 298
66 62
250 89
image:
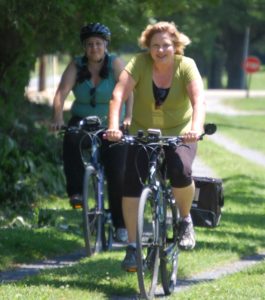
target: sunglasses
93 97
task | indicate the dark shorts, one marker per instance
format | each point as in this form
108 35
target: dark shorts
178 164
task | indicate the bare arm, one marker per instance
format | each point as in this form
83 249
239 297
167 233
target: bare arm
65 86
128 112
118 66
196 95
121 92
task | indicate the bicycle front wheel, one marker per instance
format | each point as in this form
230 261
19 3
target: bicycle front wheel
97 226
169 251
147 244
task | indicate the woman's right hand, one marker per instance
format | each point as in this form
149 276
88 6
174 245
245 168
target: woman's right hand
56 125
113 135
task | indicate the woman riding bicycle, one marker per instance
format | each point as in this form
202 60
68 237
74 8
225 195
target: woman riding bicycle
92 78
168 95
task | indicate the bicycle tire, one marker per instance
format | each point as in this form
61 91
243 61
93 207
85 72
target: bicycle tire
98 229
147 245
169 250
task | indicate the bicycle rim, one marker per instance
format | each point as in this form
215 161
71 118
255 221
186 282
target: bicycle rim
147 245
169 252
93 220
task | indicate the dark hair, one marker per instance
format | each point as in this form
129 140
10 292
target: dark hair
84 74
95 29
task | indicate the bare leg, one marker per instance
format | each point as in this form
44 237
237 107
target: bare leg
184 197
130 212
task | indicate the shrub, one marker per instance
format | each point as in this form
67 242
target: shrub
30 157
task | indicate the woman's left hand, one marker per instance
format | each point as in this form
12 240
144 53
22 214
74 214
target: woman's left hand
191 136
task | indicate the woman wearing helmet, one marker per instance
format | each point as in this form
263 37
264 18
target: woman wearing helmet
92 78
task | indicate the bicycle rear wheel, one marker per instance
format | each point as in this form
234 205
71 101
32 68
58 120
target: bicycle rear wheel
98 229
147 245
169 251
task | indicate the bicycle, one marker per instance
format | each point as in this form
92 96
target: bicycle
158 217
98 227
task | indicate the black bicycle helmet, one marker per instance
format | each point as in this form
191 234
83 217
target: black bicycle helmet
95 29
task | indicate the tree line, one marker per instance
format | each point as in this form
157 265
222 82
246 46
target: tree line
217 28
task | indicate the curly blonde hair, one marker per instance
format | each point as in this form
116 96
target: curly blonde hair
179 39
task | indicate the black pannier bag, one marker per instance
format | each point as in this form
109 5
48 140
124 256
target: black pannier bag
207 202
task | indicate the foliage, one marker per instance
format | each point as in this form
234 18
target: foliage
30 158
219 46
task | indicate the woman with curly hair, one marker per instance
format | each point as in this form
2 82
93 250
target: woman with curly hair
168 95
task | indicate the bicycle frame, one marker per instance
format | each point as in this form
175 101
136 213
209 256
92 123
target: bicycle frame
93 168
156 181
95 171
96 219
157 193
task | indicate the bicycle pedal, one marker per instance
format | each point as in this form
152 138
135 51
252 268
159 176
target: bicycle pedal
77 206
76 203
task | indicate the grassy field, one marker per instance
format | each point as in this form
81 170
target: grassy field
55 229
247 130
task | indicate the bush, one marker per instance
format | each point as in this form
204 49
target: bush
30 157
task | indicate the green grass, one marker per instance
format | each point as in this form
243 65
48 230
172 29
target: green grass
247 104
53 222
256 80
248 284
241 233
246 130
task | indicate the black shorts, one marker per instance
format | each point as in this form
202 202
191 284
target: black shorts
178 164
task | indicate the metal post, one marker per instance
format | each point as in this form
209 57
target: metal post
245 55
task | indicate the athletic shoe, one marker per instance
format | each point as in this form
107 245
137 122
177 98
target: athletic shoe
76 201
129 263
186 235
121 235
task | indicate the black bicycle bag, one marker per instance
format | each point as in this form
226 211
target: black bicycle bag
207 202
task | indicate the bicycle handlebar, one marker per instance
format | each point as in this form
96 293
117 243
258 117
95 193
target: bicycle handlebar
89 124
154 137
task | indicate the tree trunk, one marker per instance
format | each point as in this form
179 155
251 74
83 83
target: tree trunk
216 67
235 53
42 73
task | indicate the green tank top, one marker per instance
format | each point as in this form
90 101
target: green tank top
103 93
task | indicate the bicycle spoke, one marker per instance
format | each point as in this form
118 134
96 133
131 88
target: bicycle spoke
170 251
147 246
92 219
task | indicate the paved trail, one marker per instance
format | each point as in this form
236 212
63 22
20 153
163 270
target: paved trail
214 100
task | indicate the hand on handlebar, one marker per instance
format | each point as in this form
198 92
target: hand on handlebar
113 135
56 125
191 136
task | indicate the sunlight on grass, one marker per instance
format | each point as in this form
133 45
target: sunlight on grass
249 104
245 285
246 130
92 278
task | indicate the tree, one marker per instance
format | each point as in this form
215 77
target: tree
229 21
29 29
